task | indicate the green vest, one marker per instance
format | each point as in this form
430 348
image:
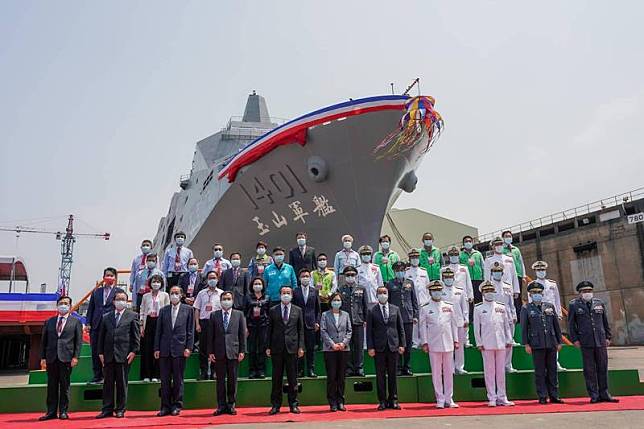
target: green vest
476 271
326 280
516 257
386 270
433 270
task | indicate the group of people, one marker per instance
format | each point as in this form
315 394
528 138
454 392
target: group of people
286 311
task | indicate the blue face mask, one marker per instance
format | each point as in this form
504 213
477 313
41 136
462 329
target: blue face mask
497 275
537 298
400 275
453 259
448 281
278 259
336 304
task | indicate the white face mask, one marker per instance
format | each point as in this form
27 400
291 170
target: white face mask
226 304
145 249
347 244
587 296
385 245
497 275
235 263
285 298
261 251
507 240
428 243
498 249
350 279
212 283
180 241
218 254
489 296
156 285
436 295
175 298
322 264
305 281
120 304
193 268
414 262
448 282
278 258
257 287
301 242
151 264
453 259
382 298
366 258
468 245
541 274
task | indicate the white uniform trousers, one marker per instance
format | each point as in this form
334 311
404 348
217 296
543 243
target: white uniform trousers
494 372
442 376
459 353
508 354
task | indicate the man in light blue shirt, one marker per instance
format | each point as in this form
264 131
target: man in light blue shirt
175 260
140 285
278 274
139 261
347 257
218 263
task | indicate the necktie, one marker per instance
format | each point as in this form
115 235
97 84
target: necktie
144 259
385 313
285 314
177 260
218 267
59 326
174 314
118 318
225 320
235 274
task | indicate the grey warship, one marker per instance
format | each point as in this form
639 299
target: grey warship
333 171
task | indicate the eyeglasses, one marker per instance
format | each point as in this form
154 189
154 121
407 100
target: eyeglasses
218 249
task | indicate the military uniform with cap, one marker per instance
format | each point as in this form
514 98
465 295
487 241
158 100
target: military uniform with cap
354 302
457 296
493 338
369 275
439 337
403 295
550 288
505 296
541 336
589 330
509 270
419 277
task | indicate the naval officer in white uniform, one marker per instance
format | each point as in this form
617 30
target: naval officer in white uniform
458 297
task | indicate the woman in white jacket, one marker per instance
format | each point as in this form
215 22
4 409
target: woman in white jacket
151 303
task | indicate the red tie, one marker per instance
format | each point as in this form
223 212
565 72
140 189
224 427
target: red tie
59 326
143 261
177 260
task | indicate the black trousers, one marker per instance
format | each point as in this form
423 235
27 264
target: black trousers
356 363
336 365
149 365
478 297
204 365
58 374
257 348
545 372
308 361
595 361
386 363
405 362
97 368
115 374
518 301
172 370
284 362
226 370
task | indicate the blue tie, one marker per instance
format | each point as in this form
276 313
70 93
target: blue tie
225 321
285 315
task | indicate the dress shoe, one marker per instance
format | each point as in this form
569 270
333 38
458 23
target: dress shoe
163 413
274 411
460 372
452 405
594 400
349 373
609 399
543 401
295 409
382 406
47 417
261 375
556 401
333 408
119 414
312 374
341 407
407 372
394 405
232 411
300 374
505 403
491 404
219 412
175 412
440 405
359 373
399 372
103 415
63 416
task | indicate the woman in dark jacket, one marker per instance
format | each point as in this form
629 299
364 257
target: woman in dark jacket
256 307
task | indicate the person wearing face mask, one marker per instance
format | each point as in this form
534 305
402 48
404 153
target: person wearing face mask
142 281
541 336
256 310
473 260
369 274
306 297
402 294
303 255
191 283
589 330
439 338
385 343
100 303
260 261
118 343
462 277
151 304
431 257
336 329
236 280
347 256
354 302
285 347
278 274
218 263
493 338
325 281
62 336
175 259
513 251
207 301
139 262
385 258
505 297
173 343
509 270
226 349
458 298
419 277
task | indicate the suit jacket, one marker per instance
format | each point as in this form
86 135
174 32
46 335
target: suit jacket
383 336
65 347
97 308
311 308
169 341
116 342
299 261
184 283
239 288
285 337
227 343
333 333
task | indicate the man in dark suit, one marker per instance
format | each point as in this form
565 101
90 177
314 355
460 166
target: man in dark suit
226 348
100 302
285 346
118 343
62 337
235 280
306 297
385 342
173 342
302 256
191 282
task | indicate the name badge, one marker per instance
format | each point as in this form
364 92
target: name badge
152 314
208 307
580 311
499 310
446 310
256 312
598 309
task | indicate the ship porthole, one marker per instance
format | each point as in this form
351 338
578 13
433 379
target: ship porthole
317 169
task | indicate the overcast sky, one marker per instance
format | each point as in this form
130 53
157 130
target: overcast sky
102 103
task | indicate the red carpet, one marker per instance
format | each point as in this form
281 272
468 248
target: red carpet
202 418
